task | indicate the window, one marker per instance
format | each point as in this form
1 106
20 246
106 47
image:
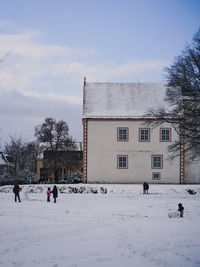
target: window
156 176
122 162
157 162
144 135
165 135
122 134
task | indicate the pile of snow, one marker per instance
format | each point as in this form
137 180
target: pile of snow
174 214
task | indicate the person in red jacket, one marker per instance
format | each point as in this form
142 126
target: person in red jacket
16 191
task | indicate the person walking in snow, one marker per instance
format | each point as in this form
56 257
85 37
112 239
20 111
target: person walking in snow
16 191
145 188
181 209
48 194
55 193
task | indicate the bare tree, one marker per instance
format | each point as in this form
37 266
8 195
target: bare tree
24 157
57 145
2 59
183 98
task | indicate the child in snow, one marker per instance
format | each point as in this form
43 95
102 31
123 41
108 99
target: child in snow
181 209
48 194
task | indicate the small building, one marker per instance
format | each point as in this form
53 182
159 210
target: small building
119 145
66 168
5 164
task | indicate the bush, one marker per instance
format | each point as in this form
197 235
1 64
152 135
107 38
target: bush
13 181
73 179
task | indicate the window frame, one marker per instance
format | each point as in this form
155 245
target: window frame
124 156
156 179
149 135
152 161
127 134
170 134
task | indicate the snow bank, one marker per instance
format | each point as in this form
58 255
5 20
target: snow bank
63 189
106 189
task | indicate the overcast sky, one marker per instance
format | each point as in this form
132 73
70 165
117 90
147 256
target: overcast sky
54 44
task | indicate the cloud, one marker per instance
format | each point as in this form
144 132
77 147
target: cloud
110 70
40 79
32 62
74 100
21 112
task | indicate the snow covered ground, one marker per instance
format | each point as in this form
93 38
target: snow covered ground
121 228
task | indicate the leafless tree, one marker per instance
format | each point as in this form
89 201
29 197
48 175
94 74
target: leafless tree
24 157
2 59
183 98
57 145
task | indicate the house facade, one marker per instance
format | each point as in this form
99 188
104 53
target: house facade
119 143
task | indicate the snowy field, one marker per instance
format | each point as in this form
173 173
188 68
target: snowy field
121 228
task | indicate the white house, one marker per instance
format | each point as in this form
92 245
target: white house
119 146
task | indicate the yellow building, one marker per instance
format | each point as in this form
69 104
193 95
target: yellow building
45 175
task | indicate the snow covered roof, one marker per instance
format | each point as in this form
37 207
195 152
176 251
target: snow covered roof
79 146
3 159
121 100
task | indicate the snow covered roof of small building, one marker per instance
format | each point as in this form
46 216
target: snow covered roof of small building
121 100
4 158
79 146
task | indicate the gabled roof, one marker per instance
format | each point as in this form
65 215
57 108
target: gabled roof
121 100
4 158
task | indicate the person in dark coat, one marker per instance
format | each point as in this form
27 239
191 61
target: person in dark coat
16 191
145 188
55 193
181 209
